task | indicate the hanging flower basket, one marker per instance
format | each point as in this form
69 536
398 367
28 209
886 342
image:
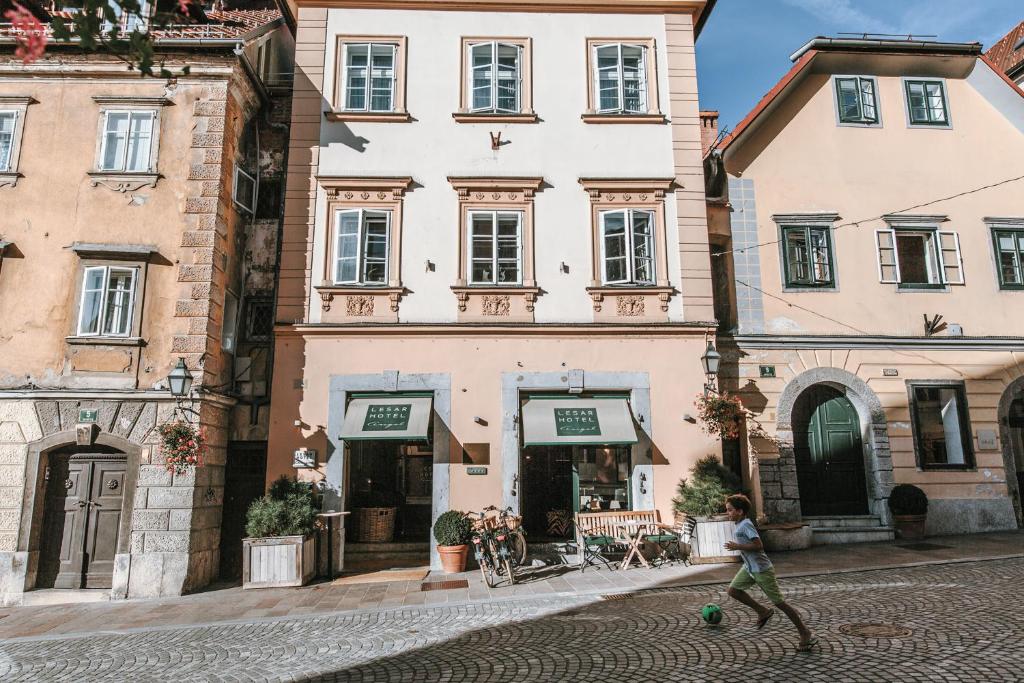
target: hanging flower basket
721 415
183 445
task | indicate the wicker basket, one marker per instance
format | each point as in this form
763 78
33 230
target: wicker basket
375 525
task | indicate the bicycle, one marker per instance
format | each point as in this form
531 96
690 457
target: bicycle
490 548
515 534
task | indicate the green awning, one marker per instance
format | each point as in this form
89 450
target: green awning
577 422
396 418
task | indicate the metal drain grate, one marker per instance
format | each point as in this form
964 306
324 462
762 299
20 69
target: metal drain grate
924 546
876 630
444 585
619 596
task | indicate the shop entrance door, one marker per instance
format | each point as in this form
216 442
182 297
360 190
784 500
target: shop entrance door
82 519
559 481
395 474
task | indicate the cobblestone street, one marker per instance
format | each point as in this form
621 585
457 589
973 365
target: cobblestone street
959 622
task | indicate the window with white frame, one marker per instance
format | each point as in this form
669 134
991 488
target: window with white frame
857 99
370 76
108 300
361 246
8 123
495 77
627 247
495 247
243 191
919 258
926 103
127 141
620 78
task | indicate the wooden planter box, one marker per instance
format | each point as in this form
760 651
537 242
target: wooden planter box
708 542
278 561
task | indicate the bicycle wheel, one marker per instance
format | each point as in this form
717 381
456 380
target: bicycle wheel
517 548
509 571
487 571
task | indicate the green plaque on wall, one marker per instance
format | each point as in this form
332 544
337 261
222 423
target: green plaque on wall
577 422
387 418
87 415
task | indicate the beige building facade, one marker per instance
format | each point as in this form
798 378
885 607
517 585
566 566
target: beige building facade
867 238
131 237
495 286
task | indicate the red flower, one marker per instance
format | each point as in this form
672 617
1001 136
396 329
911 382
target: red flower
30 35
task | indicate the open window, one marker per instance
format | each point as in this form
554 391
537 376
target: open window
919 258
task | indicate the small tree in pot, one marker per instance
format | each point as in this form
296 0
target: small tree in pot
702 499
909 506
279 550
452 531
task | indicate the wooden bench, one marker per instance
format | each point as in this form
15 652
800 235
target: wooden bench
598 532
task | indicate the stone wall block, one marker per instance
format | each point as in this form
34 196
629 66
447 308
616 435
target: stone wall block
770 491
166 542
197 238
201 326
8 542
203 254
186 478
24 414
201 290
106 411
126 418
141 498
13 454
145 520
194 273
169 497
181 520
188 344
213 155
154 475
208 222
215 124
192 308
68 414
208 108
144 423
12 475
10 432
9 520
49 416
11 496
200 205
138 542
207 140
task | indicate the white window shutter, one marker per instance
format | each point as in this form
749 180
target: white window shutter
952 261
888 264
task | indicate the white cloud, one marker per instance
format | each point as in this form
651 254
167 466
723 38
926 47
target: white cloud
841 15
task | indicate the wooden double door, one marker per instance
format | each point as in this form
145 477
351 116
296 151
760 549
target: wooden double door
82 520
829 454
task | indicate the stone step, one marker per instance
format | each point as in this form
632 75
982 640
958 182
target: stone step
832 521
843 535
392 547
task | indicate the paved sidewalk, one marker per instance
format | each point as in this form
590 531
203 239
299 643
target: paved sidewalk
234 604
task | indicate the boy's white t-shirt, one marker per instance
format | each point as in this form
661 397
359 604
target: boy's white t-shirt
754 560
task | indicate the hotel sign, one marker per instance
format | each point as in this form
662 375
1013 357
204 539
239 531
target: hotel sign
577 422
387 418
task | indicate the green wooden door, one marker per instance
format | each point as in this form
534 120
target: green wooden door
829 456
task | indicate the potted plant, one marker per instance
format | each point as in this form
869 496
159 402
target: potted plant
452 531
909 506
182 445
720 414
279 548
702 499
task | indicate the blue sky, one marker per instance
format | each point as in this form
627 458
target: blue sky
745 46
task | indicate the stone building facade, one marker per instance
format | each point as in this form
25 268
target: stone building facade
175 215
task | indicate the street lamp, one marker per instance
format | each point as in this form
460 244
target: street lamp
710 360
180 380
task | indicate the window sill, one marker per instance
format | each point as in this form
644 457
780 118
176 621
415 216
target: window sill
121 181
598 294
9 178
921 288
624 118
491 117
495 289
369 116
496 300
809 288
328 291
105 341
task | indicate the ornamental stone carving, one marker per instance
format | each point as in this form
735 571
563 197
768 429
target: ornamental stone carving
630 306
359 305
496 305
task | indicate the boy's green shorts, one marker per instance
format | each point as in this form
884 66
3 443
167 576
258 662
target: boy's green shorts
766 580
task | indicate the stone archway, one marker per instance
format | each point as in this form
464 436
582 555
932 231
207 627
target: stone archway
779 487
1012 439
31 528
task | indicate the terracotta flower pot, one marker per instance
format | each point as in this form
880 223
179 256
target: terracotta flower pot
910 527
453 558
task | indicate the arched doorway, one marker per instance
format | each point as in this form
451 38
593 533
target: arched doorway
84 496
829 454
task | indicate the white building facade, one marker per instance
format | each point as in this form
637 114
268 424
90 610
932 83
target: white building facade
495 283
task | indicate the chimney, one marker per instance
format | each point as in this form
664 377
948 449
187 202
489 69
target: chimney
708 130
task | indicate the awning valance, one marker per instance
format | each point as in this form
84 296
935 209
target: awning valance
397 418
577 421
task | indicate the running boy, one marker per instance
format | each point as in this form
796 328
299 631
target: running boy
757 568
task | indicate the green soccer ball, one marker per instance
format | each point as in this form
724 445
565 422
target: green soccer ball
711 613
